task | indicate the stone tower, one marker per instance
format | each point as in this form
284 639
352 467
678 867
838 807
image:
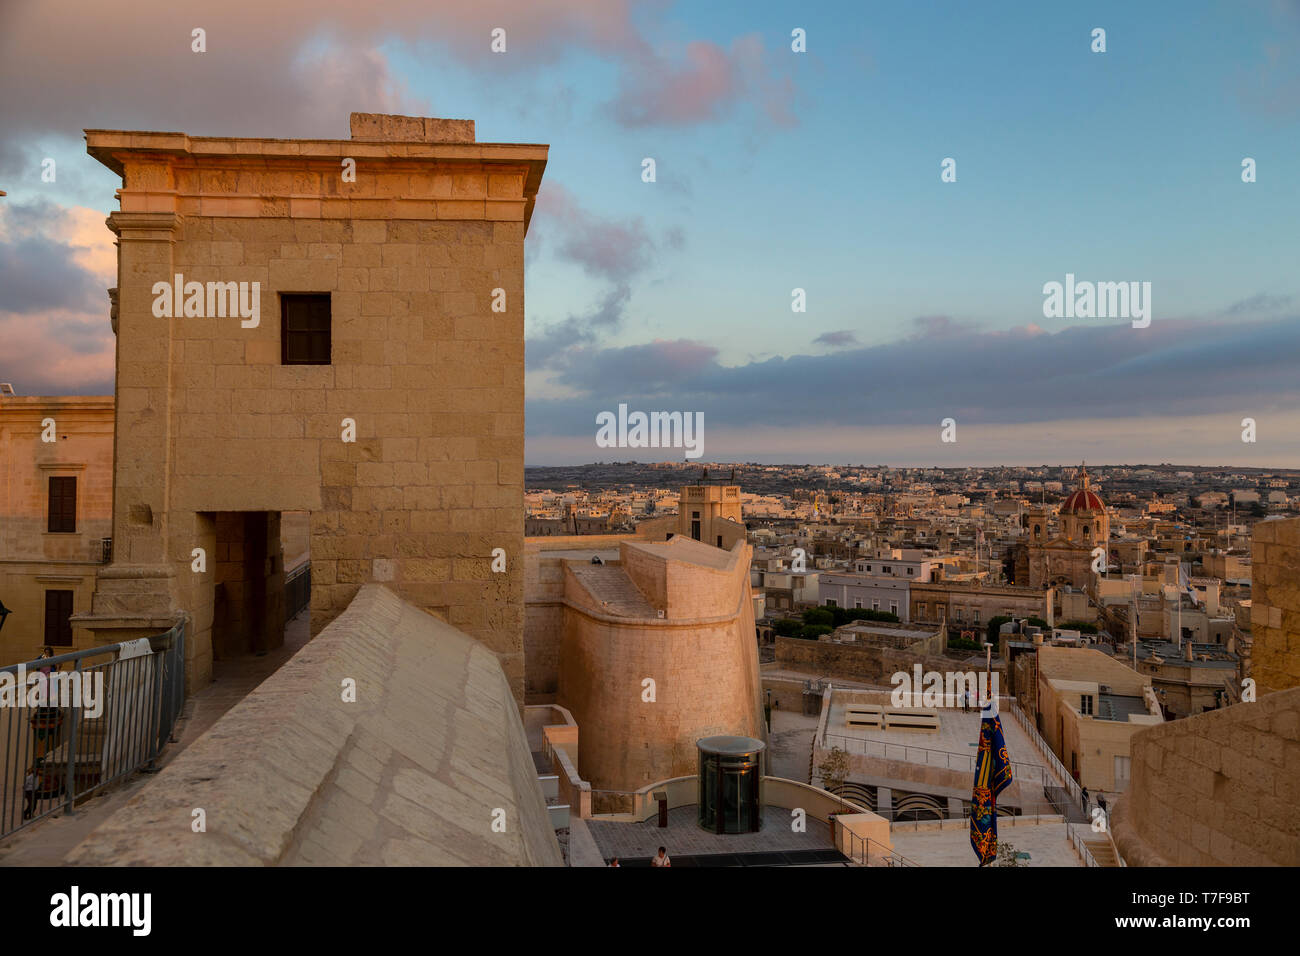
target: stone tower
331 326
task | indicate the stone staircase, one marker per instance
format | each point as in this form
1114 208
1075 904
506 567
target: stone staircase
1101 849
614 591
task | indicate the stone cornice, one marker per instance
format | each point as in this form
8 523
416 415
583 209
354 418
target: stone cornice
209 176
139 225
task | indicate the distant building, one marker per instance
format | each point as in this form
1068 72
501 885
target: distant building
973 603
880 582
1190 680
568 522
56 517
1067 557
705 512
1089 706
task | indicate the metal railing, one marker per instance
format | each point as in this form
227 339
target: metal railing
946 759
868 852
297 590
1080 845
75 723
1045 751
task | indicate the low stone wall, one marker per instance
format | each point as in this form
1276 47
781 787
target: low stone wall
869 665
1218 789
410 773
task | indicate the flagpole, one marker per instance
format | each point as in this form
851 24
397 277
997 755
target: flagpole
988 672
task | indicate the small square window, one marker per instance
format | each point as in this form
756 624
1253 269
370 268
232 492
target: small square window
305 328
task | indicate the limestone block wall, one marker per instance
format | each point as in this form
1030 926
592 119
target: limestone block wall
1217 789
409 774
32 559
872 665
706 682
82 449
544 607
1275 604
432 378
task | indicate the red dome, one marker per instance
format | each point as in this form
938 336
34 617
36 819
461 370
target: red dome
1082 500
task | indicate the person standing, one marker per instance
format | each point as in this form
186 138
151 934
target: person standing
30 783
661 858
1085 801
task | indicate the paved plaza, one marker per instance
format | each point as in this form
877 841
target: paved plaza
1047 844
683 836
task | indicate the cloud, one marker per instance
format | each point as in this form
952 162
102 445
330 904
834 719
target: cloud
656 366
296 68
705 85
55 265
556 340
1260 304
604 248
1004 377
836 340
939 326
612 250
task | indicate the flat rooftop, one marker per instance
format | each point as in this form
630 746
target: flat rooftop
1120 707
952 747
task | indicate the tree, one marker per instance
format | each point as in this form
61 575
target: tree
787 627
810 632
833 769
819 615
995 623
868 614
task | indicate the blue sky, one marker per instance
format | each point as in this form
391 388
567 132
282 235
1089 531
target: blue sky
779 170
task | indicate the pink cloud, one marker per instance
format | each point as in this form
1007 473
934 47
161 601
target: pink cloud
55 327
705 85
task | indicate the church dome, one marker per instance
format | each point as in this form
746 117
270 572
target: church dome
1082 501
1083 498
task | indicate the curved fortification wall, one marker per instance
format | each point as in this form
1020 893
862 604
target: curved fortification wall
701 655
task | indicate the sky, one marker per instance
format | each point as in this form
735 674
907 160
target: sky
775 170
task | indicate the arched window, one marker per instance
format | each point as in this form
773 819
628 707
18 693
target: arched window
1038 530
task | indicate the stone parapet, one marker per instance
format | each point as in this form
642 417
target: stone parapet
1218 789
410 773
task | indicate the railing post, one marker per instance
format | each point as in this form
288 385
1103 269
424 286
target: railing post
70 785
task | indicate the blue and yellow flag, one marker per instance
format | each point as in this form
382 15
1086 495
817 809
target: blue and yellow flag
992 776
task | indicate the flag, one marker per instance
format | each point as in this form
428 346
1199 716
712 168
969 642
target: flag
1186 583
992 776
